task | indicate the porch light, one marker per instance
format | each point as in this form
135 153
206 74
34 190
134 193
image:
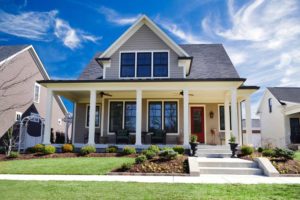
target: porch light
211 114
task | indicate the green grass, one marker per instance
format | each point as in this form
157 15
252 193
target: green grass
117 190
297 155
83 165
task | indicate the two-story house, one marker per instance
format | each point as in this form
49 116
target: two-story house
157 91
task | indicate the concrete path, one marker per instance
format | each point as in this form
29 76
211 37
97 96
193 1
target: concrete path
213 179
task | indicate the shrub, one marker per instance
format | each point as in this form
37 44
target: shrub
13 154
67 148
38 148
2 150
126 166
168 154
232 139
179 149
30 150
149 154
260 149
87 150
154 148
268 152
167 149
247 150
111 149
194 138
129 150
140 159
49 149
285 153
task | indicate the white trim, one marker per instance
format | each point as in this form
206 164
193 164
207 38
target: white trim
152 66
163 114
20 114
205 120
123 117
86 114
16 54
34 93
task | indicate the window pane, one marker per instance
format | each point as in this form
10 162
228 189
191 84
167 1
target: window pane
130 116
116 116
170 117
160 64
222 117
97 117
127 64
155 116
144 64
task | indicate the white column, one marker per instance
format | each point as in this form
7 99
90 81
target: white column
74 122
185 117
91 140
227 120
48 118
248 138
102 116
138 127
234 116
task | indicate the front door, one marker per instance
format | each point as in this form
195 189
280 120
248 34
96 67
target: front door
295 130
197 123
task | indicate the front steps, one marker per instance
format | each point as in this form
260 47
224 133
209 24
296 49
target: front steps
233 166
210 151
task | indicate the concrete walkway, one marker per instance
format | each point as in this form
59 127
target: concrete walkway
213 179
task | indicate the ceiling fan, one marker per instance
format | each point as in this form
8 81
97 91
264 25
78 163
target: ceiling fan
105 94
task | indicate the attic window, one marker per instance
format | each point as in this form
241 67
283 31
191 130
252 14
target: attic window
270 104
37 91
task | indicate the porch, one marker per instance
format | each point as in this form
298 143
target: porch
101 110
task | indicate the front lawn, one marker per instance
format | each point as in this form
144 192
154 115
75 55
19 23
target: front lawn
80 165
117 190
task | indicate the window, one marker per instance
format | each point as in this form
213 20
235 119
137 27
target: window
115 116
170 117
36 95
127 64
222 117
155 115
130 116
143 64
160 64
97 117
59 121
18 116
270 104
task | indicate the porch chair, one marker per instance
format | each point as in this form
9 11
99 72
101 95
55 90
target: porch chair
122 135
158 137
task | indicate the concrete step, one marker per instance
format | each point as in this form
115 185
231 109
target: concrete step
233 171
213 151
214 155
226 163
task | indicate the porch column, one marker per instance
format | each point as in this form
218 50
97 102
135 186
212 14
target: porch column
47 131
138 132
185 117
74 122
91 140
227 119
234 117
248 138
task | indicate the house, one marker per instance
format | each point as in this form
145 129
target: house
256 136
21 96
147 89
279 111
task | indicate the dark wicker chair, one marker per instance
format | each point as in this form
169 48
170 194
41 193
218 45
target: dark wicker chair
158 137
122 136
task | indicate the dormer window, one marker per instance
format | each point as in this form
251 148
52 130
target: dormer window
144 64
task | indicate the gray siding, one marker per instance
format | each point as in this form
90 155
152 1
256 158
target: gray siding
144 39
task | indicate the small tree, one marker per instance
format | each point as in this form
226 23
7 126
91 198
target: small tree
10 142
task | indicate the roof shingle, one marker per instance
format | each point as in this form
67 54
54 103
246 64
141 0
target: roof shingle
289 94
9 50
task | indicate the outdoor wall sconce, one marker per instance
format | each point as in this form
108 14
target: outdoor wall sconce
211 114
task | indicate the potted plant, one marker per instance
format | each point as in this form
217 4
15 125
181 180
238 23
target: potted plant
233 146
194 144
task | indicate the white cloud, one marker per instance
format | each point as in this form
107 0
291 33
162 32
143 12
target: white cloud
116 18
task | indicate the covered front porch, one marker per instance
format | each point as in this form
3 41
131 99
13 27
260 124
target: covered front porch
142 113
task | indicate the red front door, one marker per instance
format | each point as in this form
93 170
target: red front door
197 123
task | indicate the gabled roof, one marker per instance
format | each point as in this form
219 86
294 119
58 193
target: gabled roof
139 23
92 70
7 51
286 94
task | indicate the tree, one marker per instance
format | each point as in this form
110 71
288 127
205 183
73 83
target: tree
10 142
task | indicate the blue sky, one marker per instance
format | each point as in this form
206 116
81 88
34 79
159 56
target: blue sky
261 37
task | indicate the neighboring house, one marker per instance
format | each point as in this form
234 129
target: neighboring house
256 136
279 112
20 95
147 84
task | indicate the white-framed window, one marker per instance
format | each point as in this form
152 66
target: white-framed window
222 117
144 64
18 116
97 116
37 93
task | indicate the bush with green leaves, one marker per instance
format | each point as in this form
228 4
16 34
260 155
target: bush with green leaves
2 150
179 149
128 150
149 153
260 149
247 150
49 149
167 149
87 150
126 166
284 153
13 154
67 148
168 154
111 149
154 148
38 148
140 159
268 152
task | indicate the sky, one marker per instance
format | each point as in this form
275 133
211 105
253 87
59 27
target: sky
261 37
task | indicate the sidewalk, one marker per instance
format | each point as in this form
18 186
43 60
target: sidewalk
213 179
